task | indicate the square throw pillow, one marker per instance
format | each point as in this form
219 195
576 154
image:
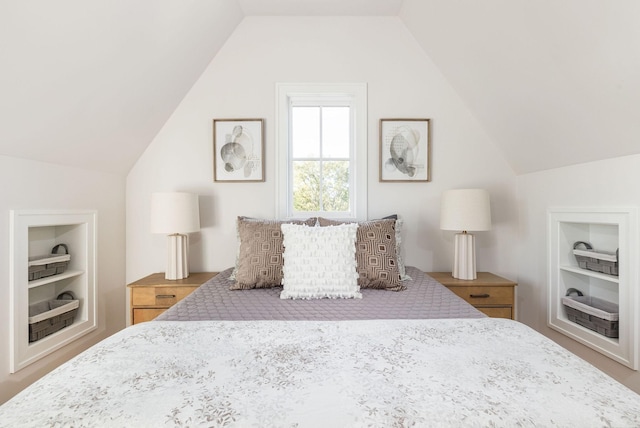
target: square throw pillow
401 266
375 254
259 261
320 262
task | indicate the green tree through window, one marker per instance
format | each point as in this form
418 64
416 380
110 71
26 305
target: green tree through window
321 191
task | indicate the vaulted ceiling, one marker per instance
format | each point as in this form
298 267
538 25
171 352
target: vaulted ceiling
90 84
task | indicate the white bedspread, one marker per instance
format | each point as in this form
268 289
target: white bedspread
380 373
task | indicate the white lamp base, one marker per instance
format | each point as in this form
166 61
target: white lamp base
177 261
464 256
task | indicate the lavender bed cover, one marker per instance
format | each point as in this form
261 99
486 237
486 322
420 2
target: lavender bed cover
424 298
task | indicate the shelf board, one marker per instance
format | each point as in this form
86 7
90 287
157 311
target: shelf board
590 273
585 332
54 278
611 347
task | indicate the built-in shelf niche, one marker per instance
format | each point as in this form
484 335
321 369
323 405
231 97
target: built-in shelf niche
35 233
607 230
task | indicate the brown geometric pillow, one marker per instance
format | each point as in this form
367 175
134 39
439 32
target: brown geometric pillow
375 254
260 260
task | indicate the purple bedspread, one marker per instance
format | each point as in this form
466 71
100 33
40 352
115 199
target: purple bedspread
424 298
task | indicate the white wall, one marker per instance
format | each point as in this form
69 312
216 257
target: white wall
37 185
240 83
607 183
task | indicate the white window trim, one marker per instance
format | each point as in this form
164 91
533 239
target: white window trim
284 93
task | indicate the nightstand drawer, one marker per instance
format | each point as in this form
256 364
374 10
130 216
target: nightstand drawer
485 295
152 295
164 297
143 315
497 312
489 293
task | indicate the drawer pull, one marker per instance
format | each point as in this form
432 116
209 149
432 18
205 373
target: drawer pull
480 296
166 296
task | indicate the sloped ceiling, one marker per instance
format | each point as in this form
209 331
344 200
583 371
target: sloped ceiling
90 84
554 83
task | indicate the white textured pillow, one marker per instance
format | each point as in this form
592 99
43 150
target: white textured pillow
319 262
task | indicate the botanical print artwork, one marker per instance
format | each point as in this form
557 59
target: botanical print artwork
404 150
234 154
238 149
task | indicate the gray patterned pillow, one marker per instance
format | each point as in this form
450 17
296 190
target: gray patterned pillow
259 263
401 266
375 254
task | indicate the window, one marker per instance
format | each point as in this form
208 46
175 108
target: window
320 156
321 150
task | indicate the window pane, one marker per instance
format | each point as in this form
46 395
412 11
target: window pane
305 130
335 186
335 132
306 186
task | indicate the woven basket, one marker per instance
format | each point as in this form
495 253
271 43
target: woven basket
48 317
595 314
598 261
49 265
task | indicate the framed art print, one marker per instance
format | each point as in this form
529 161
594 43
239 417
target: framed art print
238 150
405 150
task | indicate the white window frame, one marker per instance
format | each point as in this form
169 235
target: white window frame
356 94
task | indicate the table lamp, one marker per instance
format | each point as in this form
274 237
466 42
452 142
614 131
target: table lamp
465 210
175 214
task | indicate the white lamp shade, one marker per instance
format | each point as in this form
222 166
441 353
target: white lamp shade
175 212
465 210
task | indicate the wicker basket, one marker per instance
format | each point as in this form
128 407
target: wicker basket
595 314
49 265
48 317
598 261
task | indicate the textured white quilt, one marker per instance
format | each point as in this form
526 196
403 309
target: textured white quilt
381 373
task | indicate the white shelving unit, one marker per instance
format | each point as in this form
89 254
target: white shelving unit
35 233
606 230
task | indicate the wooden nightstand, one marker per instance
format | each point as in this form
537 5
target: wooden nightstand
153 294
491 294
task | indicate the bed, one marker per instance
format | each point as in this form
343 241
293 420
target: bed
439 372
234 355
424 298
